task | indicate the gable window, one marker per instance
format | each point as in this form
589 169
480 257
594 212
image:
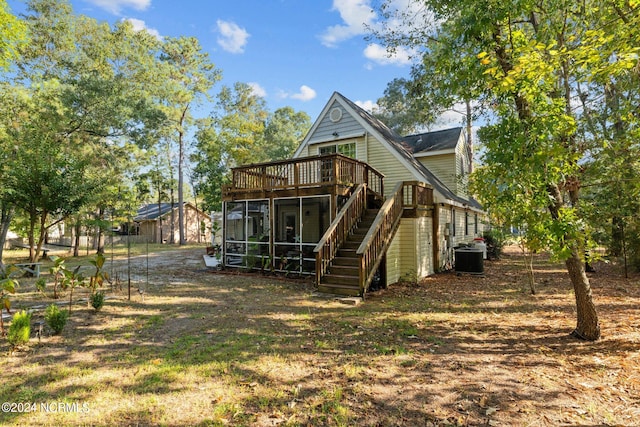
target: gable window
348 149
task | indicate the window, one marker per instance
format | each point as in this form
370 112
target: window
475 222
247 232
348 149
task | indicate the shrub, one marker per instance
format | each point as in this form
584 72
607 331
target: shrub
97 300
20 329
56 318
495 241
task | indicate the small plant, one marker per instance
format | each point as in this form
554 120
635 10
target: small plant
8 286
55 318
72 278
57 271
97 300
20 329
41 285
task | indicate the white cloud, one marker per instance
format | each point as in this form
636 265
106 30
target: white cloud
115 6
139 25
369 105
356 15
380 55
305 94
257 90
232 38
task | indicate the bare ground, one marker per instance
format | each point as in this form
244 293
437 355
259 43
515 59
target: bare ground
205 348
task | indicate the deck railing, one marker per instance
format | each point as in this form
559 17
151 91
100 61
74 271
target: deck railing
378 238
305 172
339 229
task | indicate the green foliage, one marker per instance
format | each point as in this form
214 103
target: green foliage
100 275
20 329
57 271
8 287
97 300
495 240
55 318
41 285
12 35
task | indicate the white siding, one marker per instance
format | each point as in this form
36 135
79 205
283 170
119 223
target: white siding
410 256
379 157
393 261
443 166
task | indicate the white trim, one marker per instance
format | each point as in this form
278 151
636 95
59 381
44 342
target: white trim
336 139
434 153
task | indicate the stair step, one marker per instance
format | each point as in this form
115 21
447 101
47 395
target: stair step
344 270
347 252
338 279
351 244
339 289
345 261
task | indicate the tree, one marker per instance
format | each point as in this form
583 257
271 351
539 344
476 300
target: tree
529 61
284 131
239 122
12 35
400 108
79 98
190 78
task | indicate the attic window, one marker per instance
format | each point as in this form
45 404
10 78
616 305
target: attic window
335 114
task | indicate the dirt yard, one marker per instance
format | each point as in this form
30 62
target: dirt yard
196 347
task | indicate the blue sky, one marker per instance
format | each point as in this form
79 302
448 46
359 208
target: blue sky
293 52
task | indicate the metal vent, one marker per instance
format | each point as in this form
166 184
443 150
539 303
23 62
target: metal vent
335 114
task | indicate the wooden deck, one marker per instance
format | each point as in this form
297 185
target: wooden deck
325 174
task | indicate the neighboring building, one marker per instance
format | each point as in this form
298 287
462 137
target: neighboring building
157 221
356 204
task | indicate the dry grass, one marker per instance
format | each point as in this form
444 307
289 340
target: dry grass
226 349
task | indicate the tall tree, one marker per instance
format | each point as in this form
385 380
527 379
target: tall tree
191 76
12 35
79 95
284 131
239 120
528 61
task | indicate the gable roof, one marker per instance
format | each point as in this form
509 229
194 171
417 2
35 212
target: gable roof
401 148
429 142
153 211
404 149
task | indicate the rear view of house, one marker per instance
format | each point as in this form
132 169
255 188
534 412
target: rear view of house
357 204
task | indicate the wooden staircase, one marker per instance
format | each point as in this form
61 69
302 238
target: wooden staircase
342 277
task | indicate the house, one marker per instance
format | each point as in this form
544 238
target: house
356 205
158 221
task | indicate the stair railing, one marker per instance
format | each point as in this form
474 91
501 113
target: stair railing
340 227
379 237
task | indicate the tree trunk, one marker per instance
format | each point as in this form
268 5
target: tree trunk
588 326
6 213
180 193
100 238
76 245
617 233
